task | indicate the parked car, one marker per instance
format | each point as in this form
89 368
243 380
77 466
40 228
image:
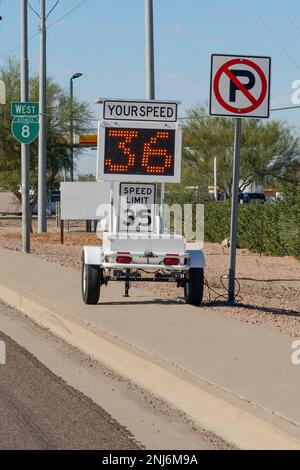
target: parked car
245 198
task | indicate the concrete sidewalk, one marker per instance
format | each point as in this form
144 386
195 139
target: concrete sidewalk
235 379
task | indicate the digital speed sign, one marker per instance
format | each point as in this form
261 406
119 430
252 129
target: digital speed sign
139 151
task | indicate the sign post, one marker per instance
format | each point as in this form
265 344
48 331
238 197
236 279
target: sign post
240 88
234 209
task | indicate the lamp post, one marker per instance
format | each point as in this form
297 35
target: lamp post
71 135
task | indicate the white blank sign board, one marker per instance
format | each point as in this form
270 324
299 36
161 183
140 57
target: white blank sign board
79 201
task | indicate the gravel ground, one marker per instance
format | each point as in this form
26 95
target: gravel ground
269 286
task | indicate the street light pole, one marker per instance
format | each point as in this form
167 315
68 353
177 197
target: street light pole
71 132
149 50
150 81
42 184
71 137
25 147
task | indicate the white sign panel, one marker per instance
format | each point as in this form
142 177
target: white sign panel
79 201
137 207
240 86
139 151
157 111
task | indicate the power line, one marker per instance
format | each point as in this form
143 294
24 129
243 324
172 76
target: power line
49 26
289 17
68 13
52 9
32 9
208 116
37 13
273 35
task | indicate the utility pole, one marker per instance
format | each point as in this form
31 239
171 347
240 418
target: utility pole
42 184
71 136
234 210
149 50
71 131
150 81
26 222
215 179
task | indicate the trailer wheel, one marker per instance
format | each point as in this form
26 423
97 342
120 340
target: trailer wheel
90 283
194 287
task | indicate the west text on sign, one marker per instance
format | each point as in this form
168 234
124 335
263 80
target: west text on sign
25 109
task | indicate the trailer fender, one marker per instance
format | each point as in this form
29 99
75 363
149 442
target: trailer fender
92 255
197 259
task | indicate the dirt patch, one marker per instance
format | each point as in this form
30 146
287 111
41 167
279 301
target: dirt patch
269 286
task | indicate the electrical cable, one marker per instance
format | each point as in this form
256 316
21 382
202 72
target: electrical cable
49 26
223 295
272 34
67 14
52 9
289 17
32 9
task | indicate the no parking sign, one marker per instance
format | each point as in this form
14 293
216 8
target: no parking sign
240 86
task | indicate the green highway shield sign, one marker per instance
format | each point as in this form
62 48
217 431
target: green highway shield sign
25 129
25 109
25 125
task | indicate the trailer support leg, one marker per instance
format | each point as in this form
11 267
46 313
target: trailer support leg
127 287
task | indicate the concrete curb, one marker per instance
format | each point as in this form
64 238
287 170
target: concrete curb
233 423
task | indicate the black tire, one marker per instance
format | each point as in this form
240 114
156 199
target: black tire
194 287
90 283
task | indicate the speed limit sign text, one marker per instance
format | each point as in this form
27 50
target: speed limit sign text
137 207
240 86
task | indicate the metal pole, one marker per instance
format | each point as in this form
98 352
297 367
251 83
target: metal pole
234 210
26 222
215 179
71 138
150 82
42 185
149 50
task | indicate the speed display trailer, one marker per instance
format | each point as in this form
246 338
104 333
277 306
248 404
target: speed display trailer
139 145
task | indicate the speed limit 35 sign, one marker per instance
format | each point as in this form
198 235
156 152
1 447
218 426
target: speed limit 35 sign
137 207
240 86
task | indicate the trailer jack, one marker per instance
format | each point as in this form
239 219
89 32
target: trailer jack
127 287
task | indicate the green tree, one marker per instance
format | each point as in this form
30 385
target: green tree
269 154
58 117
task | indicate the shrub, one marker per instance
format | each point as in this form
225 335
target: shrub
273 229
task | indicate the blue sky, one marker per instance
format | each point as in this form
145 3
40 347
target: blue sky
104 40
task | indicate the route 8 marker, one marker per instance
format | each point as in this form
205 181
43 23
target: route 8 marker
25 124
240 88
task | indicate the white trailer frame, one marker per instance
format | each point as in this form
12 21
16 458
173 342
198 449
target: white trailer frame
140 256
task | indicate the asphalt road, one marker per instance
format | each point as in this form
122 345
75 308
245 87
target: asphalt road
39 411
